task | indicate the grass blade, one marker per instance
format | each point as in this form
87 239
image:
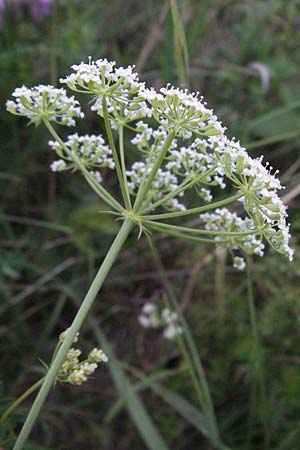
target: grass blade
146 382
147 429
180 45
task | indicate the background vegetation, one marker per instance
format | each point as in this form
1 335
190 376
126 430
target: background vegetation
244 58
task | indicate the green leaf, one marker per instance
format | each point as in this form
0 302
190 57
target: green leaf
280 120
145 383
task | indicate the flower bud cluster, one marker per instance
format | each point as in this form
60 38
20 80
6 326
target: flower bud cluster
45 102
151 317
73 370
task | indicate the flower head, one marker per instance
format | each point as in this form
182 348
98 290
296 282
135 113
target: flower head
90 149
184 112
117 86
45 103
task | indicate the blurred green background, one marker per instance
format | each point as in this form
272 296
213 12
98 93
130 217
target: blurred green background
243 56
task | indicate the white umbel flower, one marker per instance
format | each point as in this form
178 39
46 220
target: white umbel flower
45 102
90 149
119 86
185 113
185 147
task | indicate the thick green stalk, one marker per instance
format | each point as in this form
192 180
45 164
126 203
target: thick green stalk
100 190
20 400
197 210
145 186
73 330
114 153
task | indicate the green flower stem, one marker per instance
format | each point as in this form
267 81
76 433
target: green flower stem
145 186
73 330
20 400
204 232
188 183
100 190
197 210
156 227
114 153
123 164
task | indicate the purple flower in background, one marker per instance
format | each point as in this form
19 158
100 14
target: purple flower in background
37 8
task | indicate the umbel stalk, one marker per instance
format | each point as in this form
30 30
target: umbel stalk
73 330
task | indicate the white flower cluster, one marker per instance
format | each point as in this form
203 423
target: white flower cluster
151 317
260 188
119 87
171 128
185 113
245 240
163 183
45 102
90 149
77 372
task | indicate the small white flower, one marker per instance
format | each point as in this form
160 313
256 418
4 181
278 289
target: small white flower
239 263
149 317
77 377
171 331
97 355
58 166
88 368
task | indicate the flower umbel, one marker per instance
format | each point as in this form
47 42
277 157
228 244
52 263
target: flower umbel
181 146
91 150
45 102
